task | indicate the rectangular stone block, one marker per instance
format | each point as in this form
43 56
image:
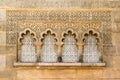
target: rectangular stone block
2 49
116 61
2 25
2 38
5 79
2 61
5 74
10 60
48 74
50 79
2 14
111 73
89 73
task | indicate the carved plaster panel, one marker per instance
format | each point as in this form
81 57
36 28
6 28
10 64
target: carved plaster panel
58 21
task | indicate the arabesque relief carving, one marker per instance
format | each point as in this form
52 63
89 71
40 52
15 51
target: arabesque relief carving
59 22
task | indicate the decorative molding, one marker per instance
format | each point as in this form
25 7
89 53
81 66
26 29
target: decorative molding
16 64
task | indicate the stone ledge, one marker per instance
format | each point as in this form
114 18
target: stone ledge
19 64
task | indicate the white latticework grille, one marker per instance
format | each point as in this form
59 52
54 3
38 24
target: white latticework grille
90 51
49 49
28 53
69 49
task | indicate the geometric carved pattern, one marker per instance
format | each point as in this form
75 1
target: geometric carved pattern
69 48
28 51
58 21
40 27
49 49
90 50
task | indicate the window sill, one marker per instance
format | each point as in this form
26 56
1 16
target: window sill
19 64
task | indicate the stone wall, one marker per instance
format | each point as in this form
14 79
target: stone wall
8 53
60 3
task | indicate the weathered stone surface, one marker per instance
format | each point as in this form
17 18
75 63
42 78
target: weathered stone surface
2 25
2 49
10 60
60 3
116 61
2 14
115 21
116 41
89 73
2 38
52 79
52 74
90 10
108 73
2 61
6 79
5 74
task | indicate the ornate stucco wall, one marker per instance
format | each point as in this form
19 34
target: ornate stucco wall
14 17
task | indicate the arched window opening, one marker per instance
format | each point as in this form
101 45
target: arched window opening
49 48
90 49
28 52
69 48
